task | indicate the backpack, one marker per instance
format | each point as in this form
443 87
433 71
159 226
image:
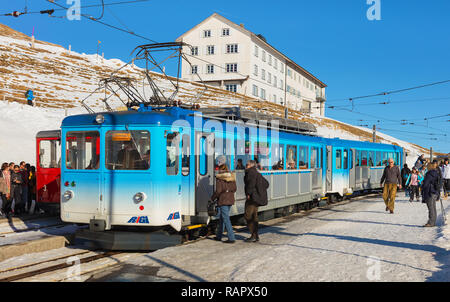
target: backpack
261 188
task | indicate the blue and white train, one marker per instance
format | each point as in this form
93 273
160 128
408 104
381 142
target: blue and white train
155 167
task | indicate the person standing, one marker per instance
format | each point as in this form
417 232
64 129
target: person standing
405 175
256 193
446 177
224 194
391 178
16 190
430 193
32 190
413 182
25 178
420 162
4 191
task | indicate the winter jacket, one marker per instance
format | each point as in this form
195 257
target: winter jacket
25 176
3 184
430 185
446 171
405 173
391 175
419 179
254 180
225 189
16 181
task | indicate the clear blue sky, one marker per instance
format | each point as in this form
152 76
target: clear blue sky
334 40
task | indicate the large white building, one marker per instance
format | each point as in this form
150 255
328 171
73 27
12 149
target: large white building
228 56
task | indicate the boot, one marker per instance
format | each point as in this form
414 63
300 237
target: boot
253 238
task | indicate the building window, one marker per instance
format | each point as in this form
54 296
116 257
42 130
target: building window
288 89
263 57
210 69
255 90
275 81
270 60
225 32
263 93
194 51
275 63
269 78
289 72
256 51
232 67
255 71
210 49
232 48
282 67
274 98
207 33
263 74
194 69
281 84
231 87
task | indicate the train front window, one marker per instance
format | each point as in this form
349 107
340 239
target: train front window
50 154
82 150
127 150
172 153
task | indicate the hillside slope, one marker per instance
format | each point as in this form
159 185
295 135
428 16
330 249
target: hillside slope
61 79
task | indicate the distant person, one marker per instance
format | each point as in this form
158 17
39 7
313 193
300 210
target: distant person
16 190
413 182
430 193
405 174
391 178
420 162
441 180
25 179
29 96
4 191
256 195
240 165
224 194
32 190
446 177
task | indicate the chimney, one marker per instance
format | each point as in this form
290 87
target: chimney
242 25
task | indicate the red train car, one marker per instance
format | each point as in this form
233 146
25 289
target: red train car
48 170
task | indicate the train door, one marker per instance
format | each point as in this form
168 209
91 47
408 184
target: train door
48 169
204 169
352 173
345 166
329 178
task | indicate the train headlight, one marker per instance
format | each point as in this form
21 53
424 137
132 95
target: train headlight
100 119
139 197
68 195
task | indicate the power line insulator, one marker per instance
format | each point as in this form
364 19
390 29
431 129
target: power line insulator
16 14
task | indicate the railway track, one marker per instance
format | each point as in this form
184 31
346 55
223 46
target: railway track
60 264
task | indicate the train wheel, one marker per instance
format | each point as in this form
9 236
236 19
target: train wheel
332 199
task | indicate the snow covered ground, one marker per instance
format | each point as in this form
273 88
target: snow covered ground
357 241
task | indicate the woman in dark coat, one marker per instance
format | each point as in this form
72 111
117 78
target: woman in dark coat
430 193
224 194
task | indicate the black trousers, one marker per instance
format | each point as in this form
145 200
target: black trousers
6 204
413 190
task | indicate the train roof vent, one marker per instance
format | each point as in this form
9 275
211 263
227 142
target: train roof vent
236 113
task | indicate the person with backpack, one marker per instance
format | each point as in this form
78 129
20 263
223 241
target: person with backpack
430 193
406 172
256 192
224 194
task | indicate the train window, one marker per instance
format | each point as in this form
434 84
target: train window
262 155
203 158
385 158
358 158
351 159
345 159
172 155
185 154
303 157
338 159
83 150
277 157
127 150
364 158
379 160
291 157
240 155
371 158
50 154
315 158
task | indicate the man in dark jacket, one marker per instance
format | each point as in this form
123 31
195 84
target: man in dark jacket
255 198
430 193
405 174
25 177
16 190
391 177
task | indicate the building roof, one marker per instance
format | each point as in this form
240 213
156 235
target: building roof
262 41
